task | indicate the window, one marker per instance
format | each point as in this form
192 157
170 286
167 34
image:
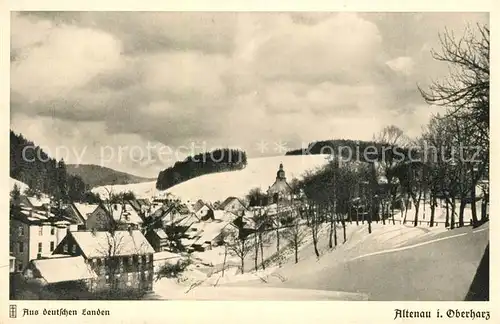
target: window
52 246
21 230
21 247
143 259
52 231
73 249
130 260
40 230
19 267
107 279
65 249
130 276
40 247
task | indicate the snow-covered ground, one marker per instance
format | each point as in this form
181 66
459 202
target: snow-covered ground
260 172
169 289
424 213
21 185
202 282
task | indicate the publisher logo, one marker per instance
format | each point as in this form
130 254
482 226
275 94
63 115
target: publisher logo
12 311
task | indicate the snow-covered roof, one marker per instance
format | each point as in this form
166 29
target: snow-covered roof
85 209
96 244
210 230
160 232
224 215
228 200
35 202
125 213
55 270
27 214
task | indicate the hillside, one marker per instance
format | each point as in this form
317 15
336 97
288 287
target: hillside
21 185
259 172
95 175
219 160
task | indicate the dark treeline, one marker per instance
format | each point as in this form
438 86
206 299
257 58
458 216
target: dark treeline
43 174
219 160
355 150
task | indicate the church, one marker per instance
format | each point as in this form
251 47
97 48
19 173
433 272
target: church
280 190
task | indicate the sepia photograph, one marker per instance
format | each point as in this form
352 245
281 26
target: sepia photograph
241 156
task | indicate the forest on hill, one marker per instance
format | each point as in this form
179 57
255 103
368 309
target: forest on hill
42 173
96 175
219 160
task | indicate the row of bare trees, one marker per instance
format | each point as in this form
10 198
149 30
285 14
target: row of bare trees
454 147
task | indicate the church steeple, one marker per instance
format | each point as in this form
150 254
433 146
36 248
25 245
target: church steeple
280 175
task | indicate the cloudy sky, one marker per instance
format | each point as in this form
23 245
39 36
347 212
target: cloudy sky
113 88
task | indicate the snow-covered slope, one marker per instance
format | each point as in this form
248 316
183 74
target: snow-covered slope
21 185
260 172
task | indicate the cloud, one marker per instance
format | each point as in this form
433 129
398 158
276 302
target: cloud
403 65
339 49
59 59
229 79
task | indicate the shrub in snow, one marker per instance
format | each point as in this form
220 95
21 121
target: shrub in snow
169 270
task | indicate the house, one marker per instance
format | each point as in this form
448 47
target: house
203 210
174 214
141 206
62 270
84 211
34 232
209 234
157 238
233 204
124 214
120 260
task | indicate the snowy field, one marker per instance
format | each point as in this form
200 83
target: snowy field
207 283
260 172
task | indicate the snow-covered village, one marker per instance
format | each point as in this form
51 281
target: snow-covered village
305 192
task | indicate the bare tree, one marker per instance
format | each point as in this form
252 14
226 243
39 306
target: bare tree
223 239
296 235
466 90
465 94
239 246
315 223
392 139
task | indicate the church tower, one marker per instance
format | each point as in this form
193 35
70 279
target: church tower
280 175
280 187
